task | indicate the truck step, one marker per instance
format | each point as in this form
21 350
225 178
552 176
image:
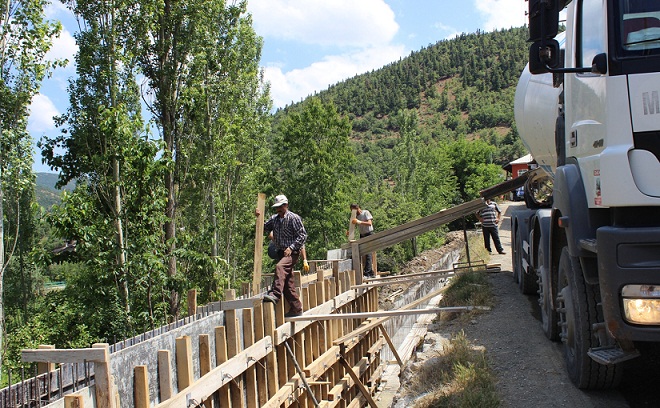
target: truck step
611 355
589 245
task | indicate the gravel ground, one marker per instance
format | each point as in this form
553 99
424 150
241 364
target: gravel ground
530 369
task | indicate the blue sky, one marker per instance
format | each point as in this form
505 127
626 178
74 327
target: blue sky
311 44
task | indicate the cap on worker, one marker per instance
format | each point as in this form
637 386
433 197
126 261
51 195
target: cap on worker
279 200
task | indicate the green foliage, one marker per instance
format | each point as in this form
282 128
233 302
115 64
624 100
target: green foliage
312 158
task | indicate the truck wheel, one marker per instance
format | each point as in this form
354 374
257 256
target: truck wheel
549 318
526 281
516 257
578 311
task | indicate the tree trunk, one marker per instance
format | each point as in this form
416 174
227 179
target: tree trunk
2 270
121 257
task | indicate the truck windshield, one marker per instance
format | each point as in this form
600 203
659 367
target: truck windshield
639 27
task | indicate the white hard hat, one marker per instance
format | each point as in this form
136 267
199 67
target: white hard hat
279 200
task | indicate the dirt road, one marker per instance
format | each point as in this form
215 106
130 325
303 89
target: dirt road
530 368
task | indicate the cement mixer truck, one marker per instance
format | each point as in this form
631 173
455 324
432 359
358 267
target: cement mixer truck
587 107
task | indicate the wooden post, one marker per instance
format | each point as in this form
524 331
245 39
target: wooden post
184 364
73 401
258 244
245 289
192 302
271 358
205 361
43 368
233 348
221 357
259 333
164 375
250 373
357 261
105 390
141 388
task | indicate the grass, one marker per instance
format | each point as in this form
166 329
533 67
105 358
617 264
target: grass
460 376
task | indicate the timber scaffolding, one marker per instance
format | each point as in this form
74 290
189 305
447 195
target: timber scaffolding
243 353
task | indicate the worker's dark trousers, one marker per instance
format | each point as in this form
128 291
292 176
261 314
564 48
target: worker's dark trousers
368 260
494 233
284 284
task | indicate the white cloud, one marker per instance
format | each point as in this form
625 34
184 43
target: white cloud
502 13
340 22
292 86
64 47
42 111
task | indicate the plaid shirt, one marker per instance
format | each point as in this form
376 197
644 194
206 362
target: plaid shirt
288 231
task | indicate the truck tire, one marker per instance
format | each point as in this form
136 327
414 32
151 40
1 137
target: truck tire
527 281
516 256
578 311
549 318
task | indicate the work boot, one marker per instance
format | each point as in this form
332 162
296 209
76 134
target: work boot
291 313
269 297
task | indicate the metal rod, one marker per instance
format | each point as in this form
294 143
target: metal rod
301 374
467 244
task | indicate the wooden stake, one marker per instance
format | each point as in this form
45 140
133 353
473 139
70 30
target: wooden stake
205 361
45 367
164 375
250 373
259 244
262 389
365 392
74 401
220 358
271 358
141 388
389 343
184 364
105 390
192 302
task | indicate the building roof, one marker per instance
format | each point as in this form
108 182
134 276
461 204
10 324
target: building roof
526 159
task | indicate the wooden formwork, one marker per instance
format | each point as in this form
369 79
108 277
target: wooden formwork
249 365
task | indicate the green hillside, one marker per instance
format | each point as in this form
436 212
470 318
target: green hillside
45 191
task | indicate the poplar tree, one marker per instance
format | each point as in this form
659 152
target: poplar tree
25 38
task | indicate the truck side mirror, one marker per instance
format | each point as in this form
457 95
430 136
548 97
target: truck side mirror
543 19
544 54
599 64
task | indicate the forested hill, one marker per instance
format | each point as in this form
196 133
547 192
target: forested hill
458 87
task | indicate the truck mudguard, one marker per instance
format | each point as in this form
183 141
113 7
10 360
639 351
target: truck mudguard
570 199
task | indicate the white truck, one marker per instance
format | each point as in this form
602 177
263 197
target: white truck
587 107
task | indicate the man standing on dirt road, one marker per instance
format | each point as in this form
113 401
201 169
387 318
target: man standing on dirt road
490 219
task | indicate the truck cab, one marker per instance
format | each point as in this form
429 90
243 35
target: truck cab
588 109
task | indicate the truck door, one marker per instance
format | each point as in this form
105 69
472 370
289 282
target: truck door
586 94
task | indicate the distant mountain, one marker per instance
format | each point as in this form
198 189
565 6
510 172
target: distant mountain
45 190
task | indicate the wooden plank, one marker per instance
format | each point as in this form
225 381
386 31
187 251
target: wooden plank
205 361
259 244
220 358
105 390
401 280
233 348
351 226
250 373
164 374
141 386
223 374
74 401
386 313
281 396
318 367
356 256
50 356
389 278
184 364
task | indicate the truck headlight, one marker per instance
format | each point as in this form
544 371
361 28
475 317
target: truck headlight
641 304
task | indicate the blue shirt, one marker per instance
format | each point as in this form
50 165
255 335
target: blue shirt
288 231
